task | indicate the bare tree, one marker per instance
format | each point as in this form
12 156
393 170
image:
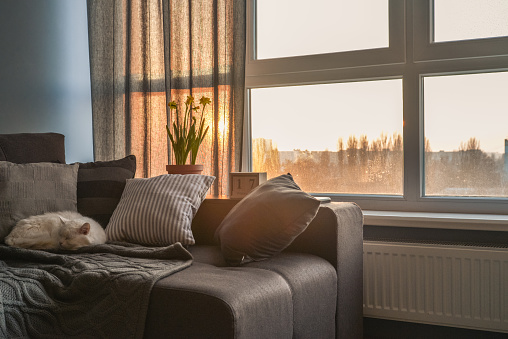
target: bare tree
397 142
472 144
340 145
352 142
427 146
265 157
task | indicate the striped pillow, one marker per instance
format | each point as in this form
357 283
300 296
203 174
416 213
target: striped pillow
100 186
158 211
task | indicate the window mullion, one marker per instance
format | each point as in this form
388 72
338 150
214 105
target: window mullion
413 170
413 131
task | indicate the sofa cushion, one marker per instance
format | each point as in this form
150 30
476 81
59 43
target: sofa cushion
287 296
313 283
312 280
266 221
100 186
25 148
158 211
31 189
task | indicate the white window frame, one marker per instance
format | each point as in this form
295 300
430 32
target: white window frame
425 49
410 57
321 68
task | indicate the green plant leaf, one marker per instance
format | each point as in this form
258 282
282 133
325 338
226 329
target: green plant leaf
187 135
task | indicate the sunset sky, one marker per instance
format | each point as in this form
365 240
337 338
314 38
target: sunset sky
456 107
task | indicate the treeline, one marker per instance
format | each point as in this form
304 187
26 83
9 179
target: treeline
467 172
360 166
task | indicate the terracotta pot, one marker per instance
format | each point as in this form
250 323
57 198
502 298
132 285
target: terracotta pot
184 169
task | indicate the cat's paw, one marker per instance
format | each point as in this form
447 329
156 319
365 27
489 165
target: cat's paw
10 241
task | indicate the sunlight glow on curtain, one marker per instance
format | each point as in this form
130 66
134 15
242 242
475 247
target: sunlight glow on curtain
144 54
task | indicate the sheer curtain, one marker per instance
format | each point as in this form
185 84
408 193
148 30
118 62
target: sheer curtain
144 53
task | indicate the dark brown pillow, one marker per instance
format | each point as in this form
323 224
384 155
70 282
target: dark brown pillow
23 148
100 186
266 221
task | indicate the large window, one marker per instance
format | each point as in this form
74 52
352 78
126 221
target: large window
323 140
396 105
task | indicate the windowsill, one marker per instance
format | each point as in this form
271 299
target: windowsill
457 221
480 222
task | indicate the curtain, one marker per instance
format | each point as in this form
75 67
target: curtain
145 53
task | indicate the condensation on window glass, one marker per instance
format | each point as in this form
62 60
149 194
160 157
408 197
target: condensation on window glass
287 28
466 135
333 138
469 19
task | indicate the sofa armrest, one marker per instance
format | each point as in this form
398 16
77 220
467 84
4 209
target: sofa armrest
336 234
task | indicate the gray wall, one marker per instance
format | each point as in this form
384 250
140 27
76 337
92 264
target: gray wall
45 72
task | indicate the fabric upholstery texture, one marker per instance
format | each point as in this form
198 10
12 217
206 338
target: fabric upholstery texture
25 148
313 284
225 303
158 211
266 221
37 188
100 186
285 296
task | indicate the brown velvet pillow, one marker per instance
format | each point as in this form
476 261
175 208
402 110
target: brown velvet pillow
266 221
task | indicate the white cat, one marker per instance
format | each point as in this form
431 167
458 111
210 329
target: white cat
56 230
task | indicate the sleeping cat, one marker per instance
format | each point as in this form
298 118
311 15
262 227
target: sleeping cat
56 230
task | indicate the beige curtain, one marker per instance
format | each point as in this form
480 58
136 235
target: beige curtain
144 53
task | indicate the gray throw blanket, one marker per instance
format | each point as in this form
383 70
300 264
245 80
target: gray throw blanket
99 291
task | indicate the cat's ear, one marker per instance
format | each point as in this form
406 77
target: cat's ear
62 220
84 229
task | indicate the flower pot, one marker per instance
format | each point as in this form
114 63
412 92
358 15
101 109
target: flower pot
184 169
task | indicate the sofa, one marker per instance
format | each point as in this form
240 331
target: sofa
311 289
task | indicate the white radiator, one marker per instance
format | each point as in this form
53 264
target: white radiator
461 286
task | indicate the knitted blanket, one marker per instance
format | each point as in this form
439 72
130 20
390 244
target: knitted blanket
98 291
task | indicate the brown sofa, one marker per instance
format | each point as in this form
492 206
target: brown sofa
313 289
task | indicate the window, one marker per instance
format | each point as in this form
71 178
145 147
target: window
288 28
459 29
466 133
470 19
322 138
390 123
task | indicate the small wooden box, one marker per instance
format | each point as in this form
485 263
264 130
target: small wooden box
241 183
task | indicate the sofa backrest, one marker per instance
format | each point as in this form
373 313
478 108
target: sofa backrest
322 237
32 147
209 216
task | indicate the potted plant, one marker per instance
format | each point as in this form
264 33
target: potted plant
187 136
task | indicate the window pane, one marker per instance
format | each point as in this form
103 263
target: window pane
470 19
333 138
466 132
300 27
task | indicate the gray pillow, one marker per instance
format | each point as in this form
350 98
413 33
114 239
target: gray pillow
266 221
36 188
158 211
